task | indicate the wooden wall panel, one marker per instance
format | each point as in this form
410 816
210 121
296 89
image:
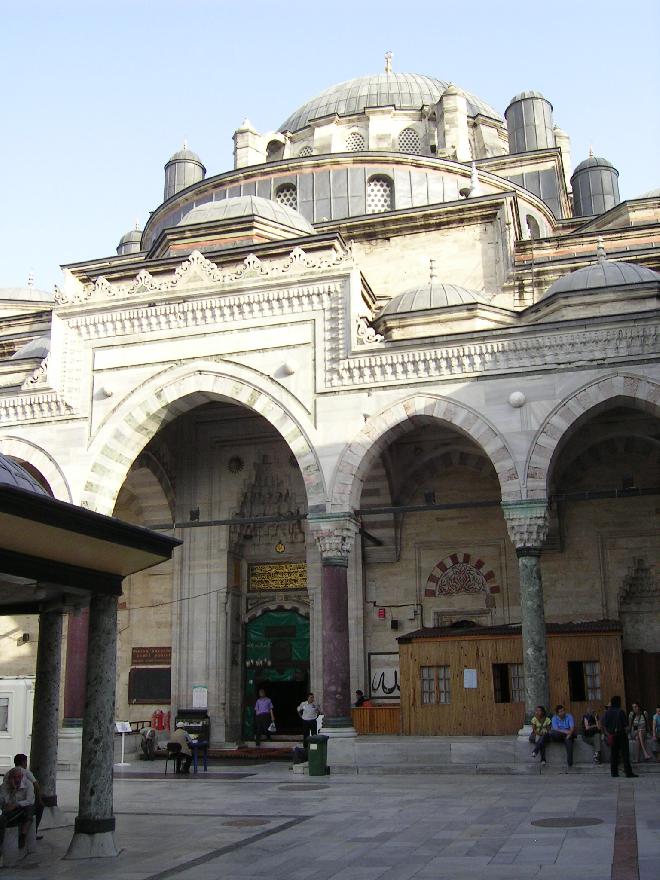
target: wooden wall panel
474 712
377 719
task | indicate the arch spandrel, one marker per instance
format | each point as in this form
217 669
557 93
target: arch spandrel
404 416
572 413
181 389
43 461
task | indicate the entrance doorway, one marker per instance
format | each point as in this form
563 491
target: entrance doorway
277 660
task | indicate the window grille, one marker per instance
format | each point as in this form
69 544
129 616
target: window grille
517 682
436 686
354 142
305 151
379 195
409 142
592 676
286 195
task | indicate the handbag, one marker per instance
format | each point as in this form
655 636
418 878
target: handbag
610 739
272 728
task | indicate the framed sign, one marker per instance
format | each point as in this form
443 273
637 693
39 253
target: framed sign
151 656
273 577
384 676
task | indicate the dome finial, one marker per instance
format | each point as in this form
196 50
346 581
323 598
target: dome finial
601 253
30 281
185 144
388 62
591 151
432 275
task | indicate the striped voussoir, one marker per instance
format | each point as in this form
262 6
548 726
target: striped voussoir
568 416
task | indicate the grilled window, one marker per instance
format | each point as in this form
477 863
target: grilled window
286 195
508 683
409 142
379 195
305 151
354 142
584 680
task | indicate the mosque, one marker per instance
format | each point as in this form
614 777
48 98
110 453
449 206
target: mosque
392 381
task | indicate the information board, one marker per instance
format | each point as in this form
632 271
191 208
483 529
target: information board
160 656
276 576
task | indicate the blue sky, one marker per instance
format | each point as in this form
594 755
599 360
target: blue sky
96 96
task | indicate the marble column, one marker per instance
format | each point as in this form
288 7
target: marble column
45 716
335 536
527 523
75 669
95 824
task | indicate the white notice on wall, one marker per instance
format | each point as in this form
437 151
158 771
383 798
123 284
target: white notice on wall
200 696
469 678
123 726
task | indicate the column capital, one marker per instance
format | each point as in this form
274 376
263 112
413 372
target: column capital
527 523
335 536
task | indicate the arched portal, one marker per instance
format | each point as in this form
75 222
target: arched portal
178 390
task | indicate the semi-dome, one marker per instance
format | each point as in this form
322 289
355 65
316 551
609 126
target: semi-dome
12 474
35 348
247 206
435 295
404 91
603 273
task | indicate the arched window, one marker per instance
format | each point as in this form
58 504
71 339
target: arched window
305 151
409 142
274 151
533 226
379 194
355 142
286 195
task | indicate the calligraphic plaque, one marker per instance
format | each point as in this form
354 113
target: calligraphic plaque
161 656
277 577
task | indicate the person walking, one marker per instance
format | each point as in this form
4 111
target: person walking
309 712
614 725
540 729
264 716
638 726
563 730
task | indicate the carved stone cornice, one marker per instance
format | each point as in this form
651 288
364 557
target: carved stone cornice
197 269
335 536
527 523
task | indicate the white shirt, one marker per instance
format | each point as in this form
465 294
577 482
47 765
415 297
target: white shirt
308 711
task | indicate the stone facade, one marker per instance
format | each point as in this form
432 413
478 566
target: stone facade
269 402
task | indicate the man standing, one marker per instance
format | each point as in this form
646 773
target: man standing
309 712
563 730
614 724
21 761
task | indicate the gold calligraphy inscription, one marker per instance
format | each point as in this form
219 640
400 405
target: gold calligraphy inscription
279 576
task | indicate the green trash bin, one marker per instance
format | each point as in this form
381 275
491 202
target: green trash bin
317 755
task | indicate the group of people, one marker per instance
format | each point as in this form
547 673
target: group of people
614 726
20 800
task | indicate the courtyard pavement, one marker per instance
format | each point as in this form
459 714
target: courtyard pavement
260 820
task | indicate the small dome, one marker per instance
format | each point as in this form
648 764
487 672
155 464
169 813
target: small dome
651 194
132 237
603 273
35 348
12 474
185 155
431 296
528 94
403 91
594 162
247 206
26 294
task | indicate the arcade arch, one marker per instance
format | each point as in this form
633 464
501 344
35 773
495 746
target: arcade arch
40 463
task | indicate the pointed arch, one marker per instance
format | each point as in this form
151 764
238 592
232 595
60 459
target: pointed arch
25 450
569 415
179 389
402 417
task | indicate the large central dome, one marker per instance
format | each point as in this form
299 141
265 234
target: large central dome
404 91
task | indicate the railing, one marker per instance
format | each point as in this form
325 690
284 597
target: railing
377 719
